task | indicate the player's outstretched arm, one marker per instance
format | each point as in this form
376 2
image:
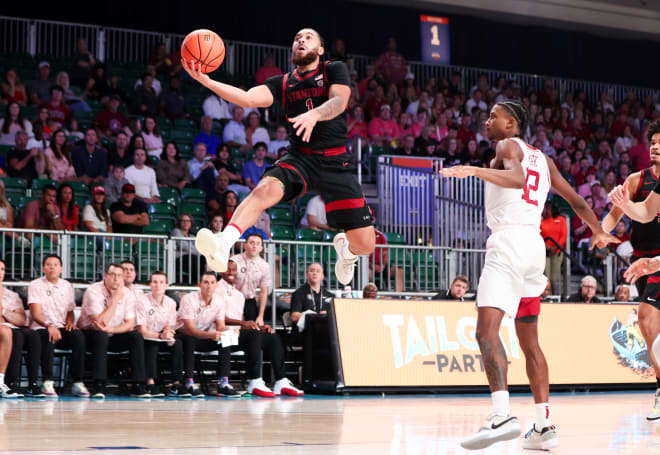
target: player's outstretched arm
580 206
511 175
613 217
644 211
259 96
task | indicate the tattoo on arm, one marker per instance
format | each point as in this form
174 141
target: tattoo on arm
331 108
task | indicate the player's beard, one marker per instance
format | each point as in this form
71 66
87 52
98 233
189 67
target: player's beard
304 59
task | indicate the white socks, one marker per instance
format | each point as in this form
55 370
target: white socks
656 347
2 378
542 419
231 235
501 405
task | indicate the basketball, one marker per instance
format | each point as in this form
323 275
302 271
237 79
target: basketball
205 47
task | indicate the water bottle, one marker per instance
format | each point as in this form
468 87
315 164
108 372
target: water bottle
348 293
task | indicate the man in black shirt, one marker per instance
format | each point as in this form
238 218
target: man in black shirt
22 162
314 98
456 291
311 296
128 214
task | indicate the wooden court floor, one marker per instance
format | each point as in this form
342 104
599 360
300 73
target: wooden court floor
601 423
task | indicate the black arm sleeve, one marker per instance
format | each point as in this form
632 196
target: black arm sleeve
337 73
274 84
298 301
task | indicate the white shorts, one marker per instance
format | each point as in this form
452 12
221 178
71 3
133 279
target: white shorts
513 269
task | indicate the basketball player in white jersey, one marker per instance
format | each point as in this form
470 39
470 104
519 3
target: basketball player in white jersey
511 282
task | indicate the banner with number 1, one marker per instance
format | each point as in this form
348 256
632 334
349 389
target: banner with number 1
434 34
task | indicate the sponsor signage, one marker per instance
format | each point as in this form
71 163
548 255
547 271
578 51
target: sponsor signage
432 343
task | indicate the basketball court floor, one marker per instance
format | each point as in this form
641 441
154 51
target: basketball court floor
596 423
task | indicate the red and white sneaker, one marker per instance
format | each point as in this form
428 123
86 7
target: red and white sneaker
259 388
285 387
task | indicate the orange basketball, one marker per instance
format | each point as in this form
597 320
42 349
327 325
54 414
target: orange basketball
205 47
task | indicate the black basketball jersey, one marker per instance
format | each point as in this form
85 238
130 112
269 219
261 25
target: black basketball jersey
645 237
299 93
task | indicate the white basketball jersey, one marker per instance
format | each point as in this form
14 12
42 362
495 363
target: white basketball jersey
520 207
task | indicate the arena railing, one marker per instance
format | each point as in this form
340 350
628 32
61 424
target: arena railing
54 38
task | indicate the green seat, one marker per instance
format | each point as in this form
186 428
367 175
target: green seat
183 136
38 184
158 227
185 124
329 236
280 232
280 215
72 139
170 195
309 235
116 249
4 149
164 123
395 238
193 195
195 210
301 205
162 212
78 187
82 200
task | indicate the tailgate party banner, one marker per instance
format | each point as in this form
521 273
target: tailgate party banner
432 343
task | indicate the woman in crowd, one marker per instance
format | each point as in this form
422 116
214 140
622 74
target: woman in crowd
152 138
172 170
58 158
96 215
255 133
75 102
12 122
69 210
229 203
13 89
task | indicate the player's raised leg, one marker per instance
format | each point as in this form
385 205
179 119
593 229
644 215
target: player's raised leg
216 247
349 246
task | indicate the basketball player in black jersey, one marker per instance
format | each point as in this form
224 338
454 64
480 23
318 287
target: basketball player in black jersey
314 98
641 188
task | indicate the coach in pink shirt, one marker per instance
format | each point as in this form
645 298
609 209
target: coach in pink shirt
156 320
383 130
108 321
253 339
253 273
200 323
52 303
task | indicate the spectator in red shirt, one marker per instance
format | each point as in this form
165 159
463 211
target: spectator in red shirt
376 101
553 226
621 233
267 71
68 208
421 122
58 112
580 229
405 126
621 121
110 121
392 64
356 125
383 130
465 132
363 86
639 154
584 169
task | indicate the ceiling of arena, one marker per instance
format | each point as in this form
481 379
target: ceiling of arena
616 18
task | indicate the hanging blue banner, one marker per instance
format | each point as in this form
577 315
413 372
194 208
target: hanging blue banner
434 36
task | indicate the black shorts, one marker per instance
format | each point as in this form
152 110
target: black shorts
333 177
648 287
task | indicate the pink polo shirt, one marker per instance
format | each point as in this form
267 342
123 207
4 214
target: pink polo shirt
155 316
10 302
233 302
96 300
56 301
194 307
252 274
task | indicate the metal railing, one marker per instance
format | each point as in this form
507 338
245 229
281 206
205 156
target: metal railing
42 37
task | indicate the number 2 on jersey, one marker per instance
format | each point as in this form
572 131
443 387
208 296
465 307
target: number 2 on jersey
529 186
308 103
